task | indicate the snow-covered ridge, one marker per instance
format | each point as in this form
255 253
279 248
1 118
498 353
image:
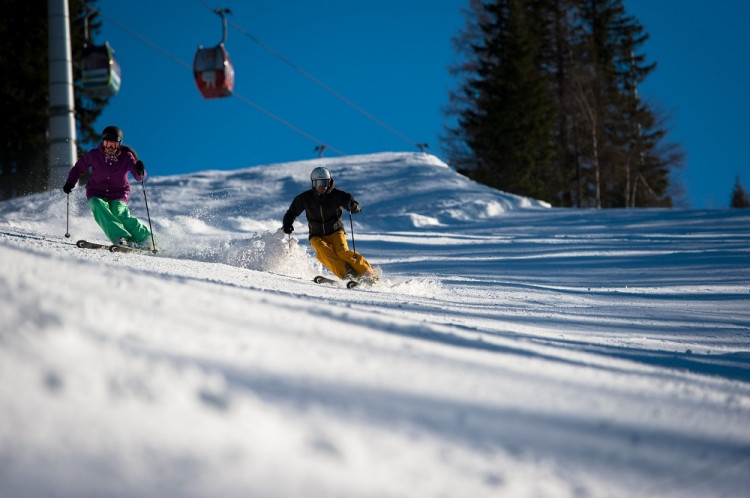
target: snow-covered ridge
399 191
226 216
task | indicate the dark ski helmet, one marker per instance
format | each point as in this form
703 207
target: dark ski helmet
112 133
320 177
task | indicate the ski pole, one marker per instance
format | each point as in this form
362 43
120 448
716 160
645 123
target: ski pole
351 225
67 217
153 242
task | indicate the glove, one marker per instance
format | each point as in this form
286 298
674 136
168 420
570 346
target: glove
354 207
287 229
140 168
68 187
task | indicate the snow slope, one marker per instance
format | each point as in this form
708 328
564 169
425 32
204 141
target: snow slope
510 349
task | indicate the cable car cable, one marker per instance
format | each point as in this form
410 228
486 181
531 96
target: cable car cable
240 97
147 42
317 81
288 125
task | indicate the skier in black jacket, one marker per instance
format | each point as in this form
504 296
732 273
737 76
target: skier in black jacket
322 205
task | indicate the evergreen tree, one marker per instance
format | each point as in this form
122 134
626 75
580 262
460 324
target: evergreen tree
24 94
548 105
508 127
23 97
740 198
88 107
561 63
460 99
631 135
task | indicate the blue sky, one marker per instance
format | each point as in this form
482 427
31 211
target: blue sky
390 59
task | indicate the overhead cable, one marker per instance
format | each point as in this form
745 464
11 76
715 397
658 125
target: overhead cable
240 97
318 82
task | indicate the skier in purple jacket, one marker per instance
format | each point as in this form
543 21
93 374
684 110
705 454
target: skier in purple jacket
108 189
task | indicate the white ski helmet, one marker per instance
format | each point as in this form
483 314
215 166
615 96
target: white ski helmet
320 177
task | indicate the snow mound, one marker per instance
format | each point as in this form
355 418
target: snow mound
397 191
231 216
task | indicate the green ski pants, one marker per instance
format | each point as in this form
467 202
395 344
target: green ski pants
114 218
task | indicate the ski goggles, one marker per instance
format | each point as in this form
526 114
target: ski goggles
320 183
111 144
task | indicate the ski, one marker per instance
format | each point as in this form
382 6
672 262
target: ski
126 249
85 244
325 280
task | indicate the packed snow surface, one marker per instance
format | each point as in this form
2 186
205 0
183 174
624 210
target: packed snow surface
509 349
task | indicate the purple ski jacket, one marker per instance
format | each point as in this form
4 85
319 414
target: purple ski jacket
109 174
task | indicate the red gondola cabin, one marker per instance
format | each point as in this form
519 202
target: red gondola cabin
214 74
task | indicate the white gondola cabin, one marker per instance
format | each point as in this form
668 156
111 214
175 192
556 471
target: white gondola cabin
100 72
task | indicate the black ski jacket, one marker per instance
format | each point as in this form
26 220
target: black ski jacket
323 211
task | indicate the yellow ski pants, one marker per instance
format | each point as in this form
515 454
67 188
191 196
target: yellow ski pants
333 251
